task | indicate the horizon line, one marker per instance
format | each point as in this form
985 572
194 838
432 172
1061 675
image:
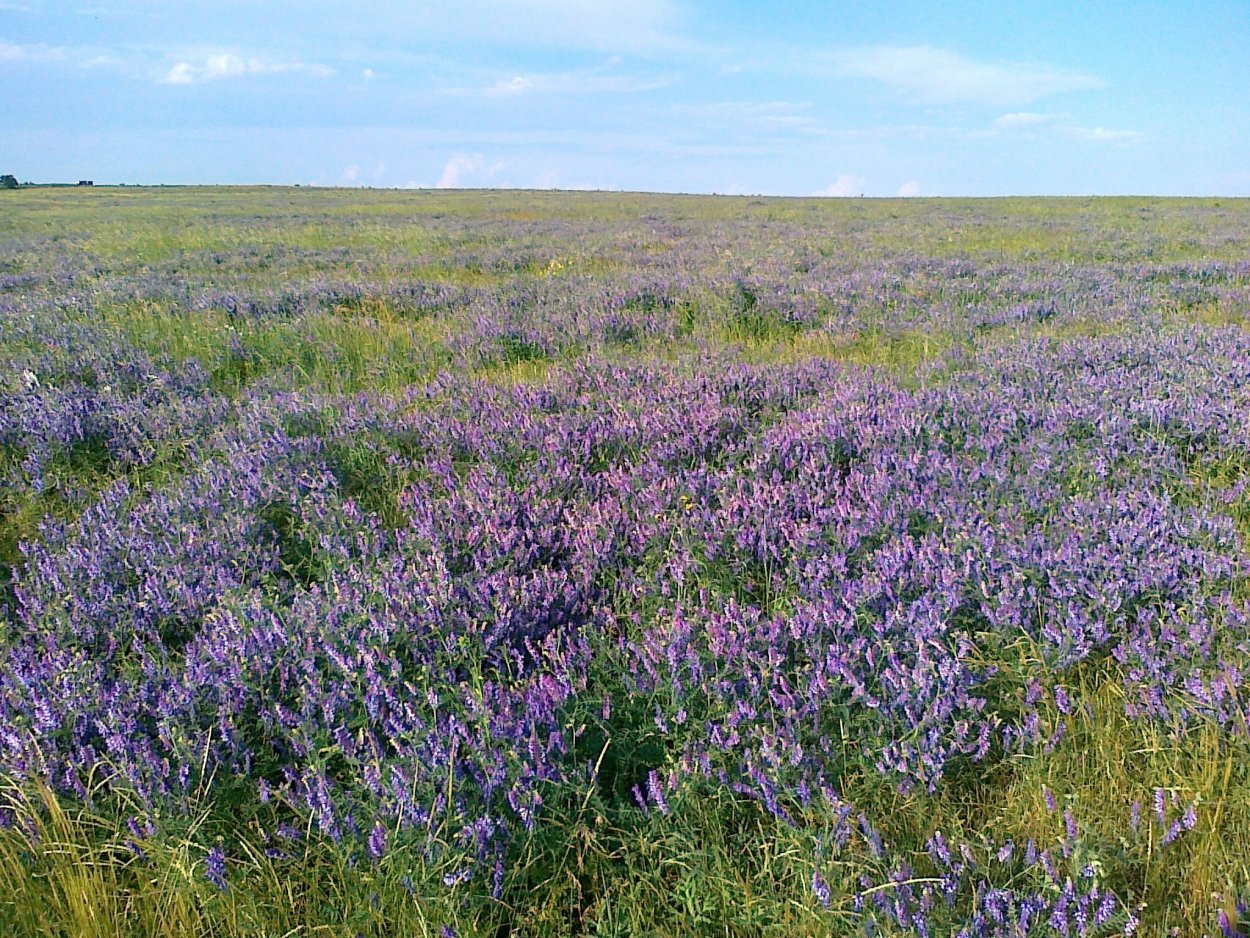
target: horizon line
429 190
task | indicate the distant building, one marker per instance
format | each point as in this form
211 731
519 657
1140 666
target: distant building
86 182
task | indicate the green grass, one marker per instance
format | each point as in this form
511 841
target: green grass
145 226
345 350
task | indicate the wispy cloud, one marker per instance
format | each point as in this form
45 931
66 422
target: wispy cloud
185 70
1103 134
229 65
571 83
1055 125
36 52
42 54
1023 119
910 189
938 76
770 115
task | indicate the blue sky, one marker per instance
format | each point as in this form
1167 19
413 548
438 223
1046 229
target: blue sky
882 99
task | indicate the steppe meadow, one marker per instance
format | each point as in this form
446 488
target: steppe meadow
516 563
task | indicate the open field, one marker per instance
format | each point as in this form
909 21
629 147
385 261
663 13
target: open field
515 563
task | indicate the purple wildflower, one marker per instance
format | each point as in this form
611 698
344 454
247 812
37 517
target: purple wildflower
821 889
377 841
215 868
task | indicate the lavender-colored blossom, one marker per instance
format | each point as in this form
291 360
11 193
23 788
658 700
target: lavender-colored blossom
215 868
820 889
377 841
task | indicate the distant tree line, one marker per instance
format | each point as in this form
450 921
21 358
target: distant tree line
9 181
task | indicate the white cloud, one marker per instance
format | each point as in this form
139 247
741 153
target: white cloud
42 54
37 52
1054 126
771 115
180 74
1102 134
571 83
102 60
844 186
518 84
351 173
1023 119
938 76
463 168
368 74
455 169
909 190
229 65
